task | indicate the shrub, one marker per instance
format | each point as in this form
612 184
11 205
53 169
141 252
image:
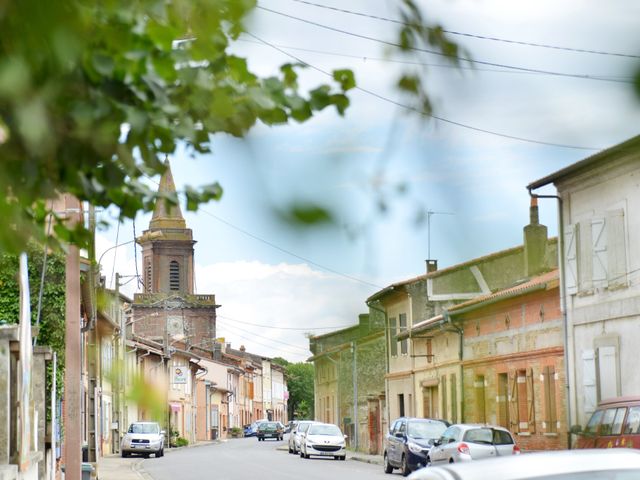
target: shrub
181 442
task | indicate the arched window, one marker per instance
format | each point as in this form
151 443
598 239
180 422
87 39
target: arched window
174 275
147 276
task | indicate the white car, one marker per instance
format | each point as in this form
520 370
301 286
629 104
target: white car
324 440
296 435
596 464
143 438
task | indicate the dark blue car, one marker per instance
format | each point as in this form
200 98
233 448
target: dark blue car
408 442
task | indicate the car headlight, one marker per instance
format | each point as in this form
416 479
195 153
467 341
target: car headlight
414 447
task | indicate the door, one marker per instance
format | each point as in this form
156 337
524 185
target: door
437 453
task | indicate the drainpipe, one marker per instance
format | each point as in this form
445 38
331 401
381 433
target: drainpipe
567 329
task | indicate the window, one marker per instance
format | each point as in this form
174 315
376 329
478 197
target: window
521 402
595 252
632 424
393 347
147 276
478 384
612 421
504 419
174 275
549 387
454 400
443 389
403 327
401 404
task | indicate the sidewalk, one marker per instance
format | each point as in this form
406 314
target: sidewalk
114 467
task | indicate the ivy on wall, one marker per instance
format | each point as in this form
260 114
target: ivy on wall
52 318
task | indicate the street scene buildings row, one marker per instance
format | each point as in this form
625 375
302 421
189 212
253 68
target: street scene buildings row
155 357
530 338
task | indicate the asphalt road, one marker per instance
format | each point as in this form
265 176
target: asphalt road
246 458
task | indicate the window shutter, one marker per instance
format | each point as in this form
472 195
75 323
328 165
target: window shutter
599 250
617 254
607 372
531 402
589 382
571 256
513 402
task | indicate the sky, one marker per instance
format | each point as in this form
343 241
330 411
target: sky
381 169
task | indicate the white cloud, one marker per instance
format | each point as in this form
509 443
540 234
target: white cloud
270 308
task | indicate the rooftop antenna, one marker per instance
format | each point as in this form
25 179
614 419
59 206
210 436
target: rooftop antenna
429 213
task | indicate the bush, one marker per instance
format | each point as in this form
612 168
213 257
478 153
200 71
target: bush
181 442
236 432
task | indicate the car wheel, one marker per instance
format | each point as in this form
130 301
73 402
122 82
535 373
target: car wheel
301 454
404 467
290 451
124 454
427 463
387 466
147 455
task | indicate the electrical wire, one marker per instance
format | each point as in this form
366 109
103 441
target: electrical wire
436 117
365 58
453 58
471 35
336 327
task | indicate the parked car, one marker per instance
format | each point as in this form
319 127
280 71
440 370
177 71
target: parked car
408 441
463 442
609 464
143 438
296 435
251 429
323 439
615 423
270 430
290 424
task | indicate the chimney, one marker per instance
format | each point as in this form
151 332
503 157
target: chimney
242 349
432 265
535 242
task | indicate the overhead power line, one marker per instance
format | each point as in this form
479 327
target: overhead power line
283 250
472 35
435 52
366 58
435 117
305 329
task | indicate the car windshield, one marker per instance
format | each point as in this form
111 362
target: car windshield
426 429
303 427
268 426
143 428
324 430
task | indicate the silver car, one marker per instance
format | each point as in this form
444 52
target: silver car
463 442
296 434
597 464
143 438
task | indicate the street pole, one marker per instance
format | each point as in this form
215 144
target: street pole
73 360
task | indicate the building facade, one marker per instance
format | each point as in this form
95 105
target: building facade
600 295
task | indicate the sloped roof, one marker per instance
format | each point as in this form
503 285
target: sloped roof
544 281
633 144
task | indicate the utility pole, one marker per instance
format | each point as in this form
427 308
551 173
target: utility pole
73 349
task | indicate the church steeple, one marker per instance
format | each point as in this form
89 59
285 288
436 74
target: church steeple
167 246
166 215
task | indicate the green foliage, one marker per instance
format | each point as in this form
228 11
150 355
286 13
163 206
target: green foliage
93 95
283 362
181 442
51 331
300 383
